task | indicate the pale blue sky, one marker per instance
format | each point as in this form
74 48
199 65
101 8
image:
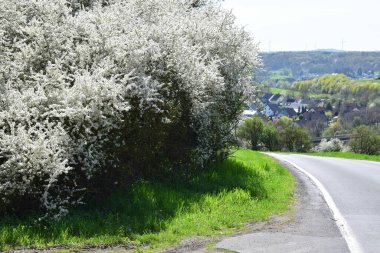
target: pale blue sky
286 25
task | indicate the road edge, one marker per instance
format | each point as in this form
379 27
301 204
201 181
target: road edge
344 228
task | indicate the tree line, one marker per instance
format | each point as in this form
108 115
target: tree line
301 64
283 135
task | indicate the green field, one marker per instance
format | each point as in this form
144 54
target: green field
368 81
275 90
248 186
281 74
349 155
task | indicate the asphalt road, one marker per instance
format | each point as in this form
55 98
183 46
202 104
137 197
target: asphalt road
354 188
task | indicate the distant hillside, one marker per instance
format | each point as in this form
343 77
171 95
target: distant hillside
339 84
291 66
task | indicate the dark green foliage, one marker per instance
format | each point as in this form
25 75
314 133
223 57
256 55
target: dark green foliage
251 131
302 140
295 139
292 137
284 135
270 138
365 141
152 147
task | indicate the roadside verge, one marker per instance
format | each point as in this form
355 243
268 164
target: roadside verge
312 229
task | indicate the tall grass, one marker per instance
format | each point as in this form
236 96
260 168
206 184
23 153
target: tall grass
248 186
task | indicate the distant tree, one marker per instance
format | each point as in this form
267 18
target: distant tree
315 127
251 131
295 139
302 141
304 91
338 105
292 137
284 122
329 107
345 92
270 138
334 129
287 139
327 132
357 121
365 141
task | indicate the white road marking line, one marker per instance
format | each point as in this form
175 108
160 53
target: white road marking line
341 222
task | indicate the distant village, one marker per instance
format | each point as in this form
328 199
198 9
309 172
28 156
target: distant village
310 113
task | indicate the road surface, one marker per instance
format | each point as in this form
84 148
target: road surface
354 188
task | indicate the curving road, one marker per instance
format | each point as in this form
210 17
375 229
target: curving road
354 186
351 189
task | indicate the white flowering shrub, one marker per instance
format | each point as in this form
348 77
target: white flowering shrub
333 145
90 87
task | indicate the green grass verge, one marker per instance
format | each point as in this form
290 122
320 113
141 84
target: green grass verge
248 186
349 155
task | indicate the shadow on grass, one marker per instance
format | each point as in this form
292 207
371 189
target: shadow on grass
145 207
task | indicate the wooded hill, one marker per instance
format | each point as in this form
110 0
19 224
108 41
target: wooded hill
293 66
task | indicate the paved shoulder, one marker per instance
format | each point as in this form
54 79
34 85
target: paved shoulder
312 229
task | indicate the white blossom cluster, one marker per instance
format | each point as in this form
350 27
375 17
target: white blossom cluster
333 145
71 70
